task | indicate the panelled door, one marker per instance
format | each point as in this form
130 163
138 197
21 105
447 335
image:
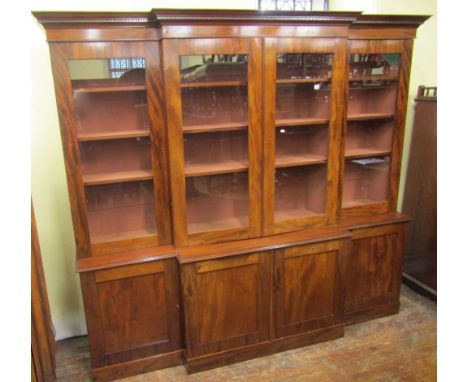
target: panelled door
226 302
307 287
214 118
303 116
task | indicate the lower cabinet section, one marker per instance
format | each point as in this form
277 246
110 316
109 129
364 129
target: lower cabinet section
132 313
240 300
243 306
373 272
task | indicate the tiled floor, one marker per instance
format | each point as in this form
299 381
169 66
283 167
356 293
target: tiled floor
396 348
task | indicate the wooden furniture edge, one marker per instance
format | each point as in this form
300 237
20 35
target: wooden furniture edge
390 20
139 366
93 263
227 357
367 314
213 251
373 221
63 19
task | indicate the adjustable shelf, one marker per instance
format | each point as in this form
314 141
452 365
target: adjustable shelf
224 167
219 224
86 137
369 116
303 80
99 239
358 202
294 213
365 153
117 177
226 126
291 160
300 121
212 84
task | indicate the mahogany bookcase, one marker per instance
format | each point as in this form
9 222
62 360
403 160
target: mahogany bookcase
233 177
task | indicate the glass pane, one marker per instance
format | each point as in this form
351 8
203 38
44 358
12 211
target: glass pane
212 153
366 181
107 106
215 124
373 84
217 202
300 192
303 100
120 211
115 150
373 87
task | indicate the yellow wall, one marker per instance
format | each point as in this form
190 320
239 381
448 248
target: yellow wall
49 188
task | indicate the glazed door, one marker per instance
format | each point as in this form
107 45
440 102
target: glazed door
213 114
307 287
373 139
109 101
303 116
226 303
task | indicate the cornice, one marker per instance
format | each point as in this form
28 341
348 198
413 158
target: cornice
390 20
178 16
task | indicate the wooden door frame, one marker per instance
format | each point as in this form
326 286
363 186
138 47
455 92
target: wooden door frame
404 48
337 47
60 54
172 50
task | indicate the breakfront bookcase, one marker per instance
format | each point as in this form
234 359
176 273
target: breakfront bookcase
233 178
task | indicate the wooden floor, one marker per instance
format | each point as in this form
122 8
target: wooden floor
396 348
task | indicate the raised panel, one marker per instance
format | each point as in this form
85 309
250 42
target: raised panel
133 312
373 269
309 287
137 310
233 295
226 303
308 292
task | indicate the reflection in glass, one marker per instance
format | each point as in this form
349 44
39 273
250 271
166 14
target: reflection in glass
120 211
115 151
300 192
365 181
214 91
303 100
217 202
214 98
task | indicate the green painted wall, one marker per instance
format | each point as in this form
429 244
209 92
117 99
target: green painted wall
48 181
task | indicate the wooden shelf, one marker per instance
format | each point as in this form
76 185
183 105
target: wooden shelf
377 87
217 225
227 126
123 236
369 116
212 84
359 202
303 80
374 78
365 153
109 88
225 167
117 177
291 160
292 214
84 137
300 121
